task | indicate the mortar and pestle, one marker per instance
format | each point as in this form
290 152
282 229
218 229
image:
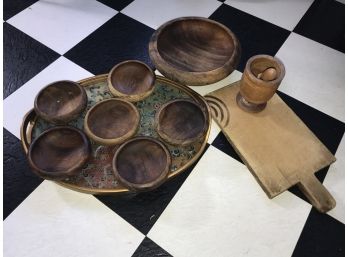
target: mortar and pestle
261 78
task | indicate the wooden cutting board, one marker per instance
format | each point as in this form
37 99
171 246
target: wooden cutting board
277 147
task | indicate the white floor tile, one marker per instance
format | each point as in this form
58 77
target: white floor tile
225 211
334 182
214 131
59 222
154 13
204 90
21 101
284 13
61 24
314 74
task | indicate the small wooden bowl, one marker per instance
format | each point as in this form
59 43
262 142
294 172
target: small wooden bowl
111 121
60 102
59 152
194 51
181 122
131 80
141 163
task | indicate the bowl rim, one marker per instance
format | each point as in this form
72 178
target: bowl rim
116 140
169 139
131 97
71 170
144 186
64 118
258 81
182 76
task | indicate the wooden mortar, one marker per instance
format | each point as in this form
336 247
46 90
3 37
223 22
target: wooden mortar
261 79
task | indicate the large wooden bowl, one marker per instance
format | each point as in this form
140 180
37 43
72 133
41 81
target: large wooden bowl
59 152
141 163
181 122
111 121
60 101
194 51
132 80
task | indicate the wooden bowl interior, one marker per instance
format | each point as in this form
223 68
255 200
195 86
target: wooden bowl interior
132 78
141 161
181 120
195 45
112 119
59 150
260 64
60 99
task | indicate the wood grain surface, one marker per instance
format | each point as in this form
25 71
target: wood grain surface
132 80
59 152
194 50
181 122
111 121
60 102
142 163
277 147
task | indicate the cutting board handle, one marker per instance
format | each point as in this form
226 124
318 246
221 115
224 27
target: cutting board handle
316 193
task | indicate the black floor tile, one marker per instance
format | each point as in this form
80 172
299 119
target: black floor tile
322 236
221 143
117 5
143 209
148 248
119 39
324 23
24 57
255 35
19 181
12 7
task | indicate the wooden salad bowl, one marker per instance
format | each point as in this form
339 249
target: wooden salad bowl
132 80
60 101
141 163
194 51
59 152
111 121
181 122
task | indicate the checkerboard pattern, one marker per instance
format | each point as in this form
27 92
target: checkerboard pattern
215 208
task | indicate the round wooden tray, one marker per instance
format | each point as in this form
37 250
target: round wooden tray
97 177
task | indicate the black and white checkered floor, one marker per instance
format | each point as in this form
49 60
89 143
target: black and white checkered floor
216 208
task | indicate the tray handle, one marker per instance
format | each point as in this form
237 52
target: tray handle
26 127
316 193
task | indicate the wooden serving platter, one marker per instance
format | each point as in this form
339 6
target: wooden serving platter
97 177
277 147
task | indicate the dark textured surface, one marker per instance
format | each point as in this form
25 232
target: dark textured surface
19 181
324 23
101 50
256 36
117 5
221 143
142 210
12 7
322 236
24 57
148 248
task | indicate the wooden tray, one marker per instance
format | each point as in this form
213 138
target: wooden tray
277 147
97 176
